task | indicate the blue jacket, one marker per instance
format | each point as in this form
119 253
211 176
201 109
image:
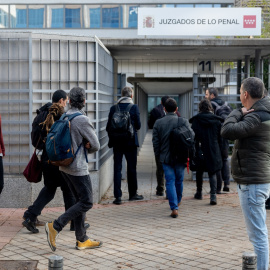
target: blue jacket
135 121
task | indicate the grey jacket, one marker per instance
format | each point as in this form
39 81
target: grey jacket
81 129
250 160
161 134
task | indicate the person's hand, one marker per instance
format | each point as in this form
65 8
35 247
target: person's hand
87 145
245 111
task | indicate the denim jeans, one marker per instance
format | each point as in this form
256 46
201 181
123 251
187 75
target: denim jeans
212 182
81 188
252 199
174 176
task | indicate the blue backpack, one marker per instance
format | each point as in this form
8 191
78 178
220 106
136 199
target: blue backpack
58 144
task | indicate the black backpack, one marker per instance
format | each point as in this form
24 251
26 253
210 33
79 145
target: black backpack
182 144
223 111
120 125
37 134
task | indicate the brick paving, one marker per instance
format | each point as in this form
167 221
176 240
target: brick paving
140 235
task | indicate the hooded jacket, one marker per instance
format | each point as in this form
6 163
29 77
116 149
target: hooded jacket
207 128
250 160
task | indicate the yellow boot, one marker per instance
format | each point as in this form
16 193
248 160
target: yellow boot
51 235
88 244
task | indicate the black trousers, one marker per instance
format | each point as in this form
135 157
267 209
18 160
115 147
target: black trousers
1 175
212 182
52 179
130 154
81 188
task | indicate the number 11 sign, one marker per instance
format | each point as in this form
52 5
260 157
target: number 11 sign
205 67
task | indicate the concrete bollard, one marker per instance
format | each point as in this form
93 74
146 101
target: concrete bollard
249 261
55 262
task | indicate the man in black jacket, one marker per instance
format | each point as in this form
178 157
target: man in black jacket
174 172
224 174
125 147
250 128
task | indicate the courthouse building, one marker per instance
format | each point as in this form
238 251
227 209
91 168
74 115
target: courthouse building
102 46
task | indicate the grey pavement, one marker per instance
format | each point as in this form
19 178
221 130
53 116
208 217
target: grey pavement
142 235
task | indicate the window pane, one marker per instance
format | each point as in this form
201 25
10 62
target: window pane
18 16
4 16
203 5
130 16
185 5
110 16
73 16
55 15
217 5
92 16
36 16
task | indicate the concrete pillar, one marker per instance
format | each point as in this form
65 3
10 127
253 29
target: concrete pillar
239 77
261 66
247 66
55 263
257 63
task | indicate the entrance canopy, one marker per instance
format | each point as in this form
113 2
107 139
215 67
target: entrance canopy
163 86
187 49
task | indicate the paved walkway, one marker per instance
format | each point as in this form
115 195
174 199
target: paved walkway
140 235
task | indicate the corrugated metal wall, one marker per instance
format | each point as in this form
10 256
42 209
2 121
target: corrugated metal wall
32 67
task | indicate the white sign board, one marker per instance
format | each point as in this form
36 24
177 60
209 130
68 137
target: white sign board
199 21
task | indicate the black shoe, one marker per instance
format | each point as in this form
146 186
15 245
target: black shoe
213 199
136 197
30 226
72 227
226 188
219 192
118 201
160 193
213 202
198 195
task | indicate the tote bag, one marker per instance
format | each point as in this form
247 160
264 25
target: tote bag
33 170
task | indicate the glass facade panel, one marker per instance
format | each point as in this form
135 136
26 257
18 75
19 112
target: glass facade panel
110 16
73 15
217 5
4 16
18 16
55 16
36 16
185 6
93 17
203 5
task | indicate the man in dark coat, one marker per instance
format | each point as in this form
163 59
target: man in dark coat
127 147
250 162
174 173
207 127
224 174
157 113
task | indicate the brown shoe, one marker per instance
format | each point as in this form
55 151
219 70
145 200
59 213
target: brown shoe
39 223
174 213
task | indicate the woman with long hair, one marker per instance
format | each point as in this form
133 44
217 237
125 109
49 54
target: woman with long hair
207 126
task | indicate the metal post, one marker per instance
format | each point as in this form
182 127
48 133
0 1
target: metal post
195 93
268 75
247 66
257 63
55 262
239 77
249 261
